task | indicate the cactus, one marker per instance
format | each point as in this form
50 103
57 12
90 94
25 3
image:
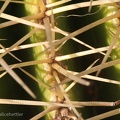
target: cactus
57 56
